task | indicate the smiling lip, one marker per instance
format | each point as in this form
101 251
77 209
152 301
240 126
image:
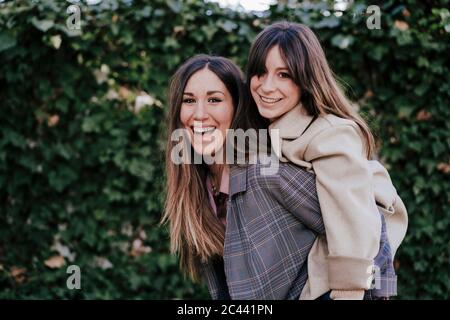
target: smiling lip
202 130
203 134
269 100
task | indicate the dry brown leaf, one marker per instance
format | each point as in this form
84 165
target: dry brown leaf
423 115
53 120
138 249
124 92
401 25
55 262
18 274
444 167
368 94
179 30
406 13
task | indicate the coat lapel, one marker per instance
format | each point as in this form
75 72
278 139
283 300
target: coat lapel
292 123
238 179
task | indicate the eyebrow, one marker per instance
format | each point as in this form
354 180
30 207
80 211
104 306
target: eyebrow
281 68
207 93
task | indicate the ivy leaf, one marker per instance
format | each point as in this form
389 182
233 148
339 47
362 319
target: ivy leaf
227 25
341 41
6 41
43 25
174 5
330 22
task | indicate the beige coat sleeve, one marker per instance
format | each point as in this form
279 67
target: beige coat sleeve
390 204
346 197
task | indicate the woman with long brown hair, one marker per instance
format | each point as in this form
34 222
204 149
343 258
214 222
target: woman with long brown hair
206 95
294 88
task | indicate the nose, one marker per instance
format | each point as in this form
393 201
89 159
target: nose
200 112
267 83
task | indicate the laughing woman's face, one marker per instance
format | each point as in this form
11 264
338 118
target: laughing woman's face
274 91
206 111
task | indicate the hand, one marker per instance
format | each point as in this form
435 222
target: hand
347 294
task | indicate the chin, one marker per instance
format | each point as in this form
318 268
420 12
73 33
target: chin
268 114
207 151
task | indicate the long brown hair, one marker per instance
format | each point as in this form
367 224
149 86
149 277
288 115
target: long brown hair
305 59
196 234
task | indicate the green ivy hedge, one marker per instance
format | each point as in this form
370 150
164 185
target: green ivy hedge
82 115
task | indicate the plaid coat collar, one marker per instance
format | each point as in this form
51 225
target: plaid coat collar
238 180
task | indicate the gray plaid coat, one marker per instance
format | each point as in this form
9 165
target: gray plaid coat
272 223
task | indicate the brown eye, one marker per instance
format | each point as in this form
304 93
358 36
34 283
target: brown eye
214 100
284 75
188 100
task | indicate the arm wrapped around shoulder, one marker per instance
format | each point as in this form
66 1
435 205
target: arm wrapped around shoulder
346 196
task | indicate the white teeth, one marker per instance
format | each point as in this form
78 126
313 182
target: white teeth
203 129
269 100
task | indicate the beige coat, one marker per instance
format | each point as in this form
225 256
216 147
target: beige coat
347 185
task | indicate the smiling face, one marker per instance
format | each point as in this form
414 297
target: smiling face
206 111
274 91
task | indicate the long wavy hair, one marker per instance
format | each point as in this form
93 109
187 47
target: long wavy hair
305 59
196 234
